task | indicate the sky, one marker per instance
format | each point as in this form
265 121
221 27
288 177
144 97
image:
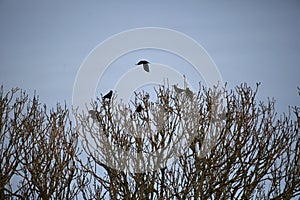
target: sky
44 43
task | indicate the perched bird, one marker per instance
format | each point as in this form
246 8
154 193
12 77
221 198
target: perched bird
139 108
219 117
146 97
108 95
189 93
177 89
145 64
93 114
222 116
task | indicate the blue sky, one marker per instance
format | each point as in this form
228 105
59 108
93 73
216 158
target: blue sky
43 43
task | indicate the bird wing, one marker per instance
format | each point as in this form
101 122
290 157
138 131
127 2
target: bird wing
146 67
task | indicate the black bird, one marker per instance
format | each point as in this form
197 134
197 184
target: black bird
108 95
139 108
145 64
177 89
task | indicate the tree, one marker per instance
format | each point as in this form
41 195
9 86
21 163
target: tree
230 147
213 144
38 147
11 143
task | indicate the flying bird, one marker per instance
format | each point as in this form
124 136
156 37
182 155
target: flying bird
177 89
145 64
108 95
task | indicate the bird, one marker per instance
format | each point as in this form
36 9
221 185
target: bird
223 115
146 97
108 95
177 89
139 108
145 64
93 114
189 93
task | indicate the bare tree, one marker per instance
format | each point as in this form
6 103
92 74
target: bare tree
39 148
49 167
234 146
211 144
11 142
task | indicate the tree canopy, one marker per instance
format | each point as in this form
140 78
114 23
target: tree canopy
215 143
